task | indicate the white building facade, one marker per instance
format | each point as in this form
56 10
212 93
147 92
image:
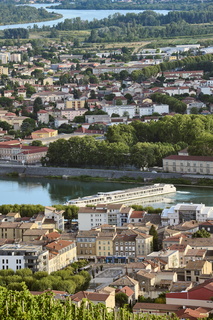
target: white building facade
186 212
155 108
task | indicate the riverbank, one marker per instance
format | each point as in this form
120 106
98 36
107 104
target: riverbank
57 17
37 171
106 175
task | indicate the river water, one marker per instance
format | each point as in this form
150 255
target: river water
57 191
69 14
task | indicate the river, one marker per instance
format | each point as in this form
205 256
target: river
69 14
57 191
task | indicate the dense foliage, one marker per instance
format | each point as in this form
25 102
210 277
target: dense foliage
186 64
201 234
139 144
11 14
68 279
28 210
147 24
24 306
136 5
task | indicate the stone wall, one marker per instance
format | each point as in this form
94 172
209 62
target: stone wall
74 172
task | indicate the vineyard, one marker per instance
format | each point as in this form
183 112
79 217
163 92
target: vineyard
25 306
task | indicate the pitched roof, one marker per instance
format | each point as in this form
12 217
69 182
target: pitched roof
188 158
155 306
93 296
125 281
58 245
188 313
127 290
137 214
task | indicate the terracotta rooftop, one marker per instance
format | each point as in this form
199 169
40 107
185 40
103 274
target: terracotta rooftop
93 296
58 245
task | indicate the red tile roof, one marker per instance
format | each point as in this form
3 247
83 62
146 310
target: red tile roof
188 158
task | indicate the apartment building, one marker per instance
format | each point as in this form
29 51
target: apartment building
61 254
3 70
15 230
43 116
171 257
143 244
19 256
171 75
71 113
147 110
194 269
112 214
86 245
127 110
104 245
186 212
124 248
75 104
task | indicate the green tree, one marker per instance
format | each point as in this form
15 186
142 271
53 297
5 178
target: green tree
37 143
37 105
121 299
119 102
201 234
153 232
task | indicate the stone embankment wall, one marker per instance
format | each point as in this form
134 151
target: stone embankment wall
74 172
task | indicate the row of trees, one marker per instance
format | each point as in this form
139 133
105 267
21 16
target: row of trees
139 144
146 18
78 152
136 5
147 72
29 210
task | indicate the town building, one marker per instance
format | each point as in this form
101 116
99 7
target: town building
61 254
157 309
188 164
107 299
86 245
200 295
104 246
148 110
112 214
124 248
186 212
169 256
44 133
56 215
19 256
194 269
43 116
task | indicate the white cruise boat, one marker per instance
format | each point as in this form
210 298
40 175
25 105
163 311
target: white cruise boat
123 195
